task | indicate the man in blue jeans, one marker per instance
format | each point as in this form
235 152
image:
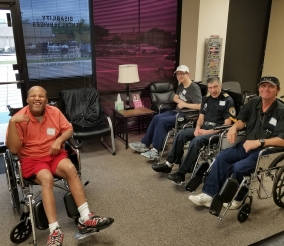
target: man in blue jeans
216 109
263 120
188 95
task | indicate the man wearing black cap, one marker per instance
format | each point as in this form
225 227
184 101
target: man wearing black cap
263 120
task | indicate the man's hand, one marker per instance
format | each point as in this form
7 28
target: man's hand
197 132
251 144
55 147
181 104
20 118
231 135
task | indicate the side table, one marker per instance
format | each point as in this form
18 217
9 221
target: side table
122 117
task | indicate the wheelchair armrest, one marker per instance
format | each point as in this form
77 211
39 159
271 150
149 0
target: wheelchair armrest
222 127
273 149
15 157
169 105
74 143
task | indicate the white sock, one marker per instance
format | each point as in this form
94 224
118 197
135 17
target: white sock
84 212
169 164
155 150
53 226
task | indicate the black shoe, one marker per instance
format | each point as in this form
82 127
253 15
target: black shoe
162 168
177 177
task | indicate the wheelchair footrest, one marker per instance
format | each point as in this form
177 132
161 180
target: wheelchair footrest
40 216
80 236
195 181
70 206
228 190
216 205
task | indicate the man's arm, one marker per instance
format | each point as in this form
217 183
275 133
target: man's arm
57 144
13 140
232 133
182 104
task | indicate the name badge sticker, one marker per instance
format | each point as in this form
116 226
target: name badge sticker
50 131
222 103
273 121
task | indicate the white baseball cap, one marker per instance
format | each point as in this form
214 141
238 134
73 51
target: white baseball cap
182 68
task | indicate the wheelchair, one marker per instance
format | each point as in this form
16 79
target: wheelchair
181 122
33 215
259 181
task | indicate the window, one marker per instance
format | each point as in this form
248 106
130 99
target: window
139 32
55 34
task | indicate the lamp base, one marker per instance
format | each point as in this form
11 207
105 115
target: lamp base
127 107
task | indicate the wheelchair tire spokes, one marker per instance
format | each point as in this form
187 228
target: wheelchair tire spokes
21 232
278 188
11 181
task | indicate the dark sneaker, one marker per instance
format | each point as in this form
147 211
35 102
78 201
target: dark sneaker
94 222
177 177
55 238
162 168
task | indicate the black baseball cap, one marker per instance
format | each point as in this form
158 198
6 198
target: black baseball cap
270 79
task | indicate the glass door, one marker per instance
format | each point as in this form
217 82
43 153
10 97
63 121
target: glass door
9 82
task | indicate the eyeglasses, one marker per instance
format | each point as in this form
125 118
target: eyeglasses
270 78
180 74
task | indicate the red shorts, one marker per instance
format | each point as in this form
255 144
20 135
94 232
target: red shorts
32 166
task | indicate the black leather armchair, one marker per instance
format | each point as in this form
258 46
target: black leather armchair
162 94
83 109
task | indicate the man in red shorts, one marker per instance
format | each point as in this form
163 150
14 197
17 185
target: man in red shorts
37 133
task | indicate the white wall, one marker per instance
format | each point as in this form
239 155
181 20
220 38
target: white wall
274 54
200 20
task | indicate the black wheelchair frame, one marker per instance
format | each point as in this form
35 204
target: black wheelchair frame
33 215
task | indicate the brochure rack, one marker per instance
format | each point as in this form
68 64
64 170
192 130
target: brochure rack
213 50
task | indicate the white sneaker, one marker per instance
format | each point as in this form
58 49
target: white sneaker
151 155
139 147
235 205
201 199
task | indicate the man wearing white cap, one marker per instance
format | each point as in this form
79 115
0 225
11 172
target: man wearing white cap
188 95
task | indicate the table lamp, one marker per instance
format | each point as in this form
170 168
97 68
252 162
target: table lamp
128 73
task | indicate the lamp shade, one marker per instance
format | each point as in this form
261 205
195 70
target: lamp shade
128 73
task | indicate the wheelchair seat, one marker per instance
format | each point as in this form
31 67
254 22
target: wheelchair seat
33 215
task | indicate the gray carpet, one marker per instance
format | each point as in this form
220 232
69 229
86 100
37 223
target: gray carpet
148 209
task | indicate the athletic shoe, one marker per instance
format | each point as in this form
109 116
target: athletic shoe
201 199
94 222
55 238
152 155
235 205
139 147
161 168
176 177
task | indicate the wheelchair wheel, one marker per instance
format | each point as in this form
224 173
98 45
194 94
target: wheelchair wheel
11 181
277 160
21 232
244 212
278 188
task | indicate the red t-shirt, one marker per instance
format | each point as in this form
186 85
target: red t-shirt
37 137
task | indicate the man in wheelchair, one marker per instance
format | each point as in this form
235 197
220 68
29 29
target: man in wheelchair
37 134
216 109
188 96
263 120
